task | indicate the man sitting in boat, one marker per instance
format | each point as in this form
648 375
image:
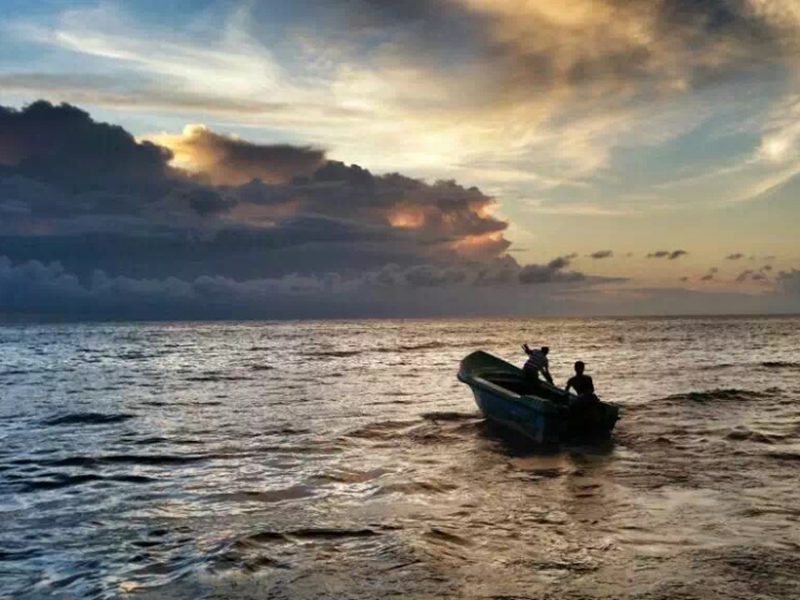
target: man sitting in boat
582 384
536 363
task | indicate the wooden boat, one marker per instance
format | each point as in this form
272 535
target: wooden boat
541 412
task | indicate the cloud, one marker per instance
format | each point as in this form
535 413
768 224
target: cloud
62 144
237 185
735 256
750 275
550 272
668 254
227 160
710 275
573 83
255 221
48 290
601 254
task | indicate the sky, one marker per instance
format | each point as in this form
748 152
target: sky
352 158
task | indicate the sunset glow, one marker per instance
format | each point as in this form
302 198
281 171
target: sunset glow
487 137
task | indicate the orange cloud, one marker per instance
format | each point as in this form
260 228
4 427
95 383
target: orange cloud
227 160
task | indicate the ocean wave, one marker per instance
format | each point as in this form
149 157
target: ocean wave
416 487
380 430
218 377
306 533
383 350
744 434
784 455
16 372
413 347
333 353
295 492
449 416
725 394
780 364
91 462
61 480
87 418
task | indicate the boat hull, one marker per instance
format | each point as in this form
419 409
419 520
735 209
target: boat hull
537 426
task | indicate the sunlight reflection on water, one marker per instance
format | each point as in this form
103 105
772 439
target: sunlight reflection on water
288 459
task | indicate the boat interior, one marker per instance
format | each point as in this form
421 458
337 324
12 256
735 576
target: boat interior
518 384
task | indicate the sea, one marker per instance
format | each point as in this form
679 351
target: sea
343 459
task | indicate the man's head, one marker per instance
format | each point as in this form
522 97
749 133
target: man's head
545 350
579 367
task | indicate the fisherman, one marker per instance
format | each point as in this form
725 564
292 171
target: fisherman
583 386
536 363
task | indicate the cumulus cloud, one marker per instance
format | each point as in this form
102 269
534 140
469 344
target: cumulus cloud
39 289
550 272
228 160
601 254
62 144
710 275
668 254
281 218
48 289
752 275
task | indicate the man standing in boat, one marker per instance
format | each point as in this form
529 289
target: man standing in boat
536 363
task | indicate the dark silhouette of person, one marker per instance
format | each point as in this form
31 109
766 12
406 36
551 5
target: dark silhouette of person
537 363
582 384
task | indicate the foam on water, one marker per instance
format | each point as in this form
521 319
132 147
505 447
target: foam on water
246 460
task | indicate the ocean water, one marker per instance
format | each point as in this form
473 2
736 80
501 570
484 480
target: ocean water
344 460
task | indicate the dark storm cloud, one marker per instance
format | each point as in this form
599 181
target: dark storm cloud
61 166
735 256
668 254
62 144
92 237
602 254
50 290
207 202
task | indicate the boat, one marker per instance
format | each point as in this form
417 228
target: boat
539 411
